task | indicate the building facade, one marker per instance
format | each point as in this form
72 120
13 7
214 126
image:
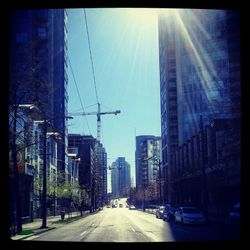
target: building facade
37 75
199 81
92 168
148 149
103 175
120 178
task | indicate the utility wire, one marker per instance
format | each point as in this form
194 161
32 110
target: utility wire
91 56
78 93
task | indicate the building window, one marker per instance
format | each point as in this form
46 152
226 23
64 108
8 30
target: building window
41 32
21 37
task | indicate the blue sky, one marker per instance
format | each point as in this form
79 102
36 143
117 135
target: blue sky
124 45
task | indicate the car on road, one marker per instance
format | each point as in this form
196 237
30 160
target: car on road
120 205
132 207
114 206
189 215
168 213
159 212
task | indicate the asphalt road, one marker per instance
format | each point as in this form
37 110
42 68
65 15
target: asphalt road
124 225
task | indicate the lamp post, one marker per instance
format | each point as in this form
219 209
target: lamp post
205 192
119 178
44 192
158 163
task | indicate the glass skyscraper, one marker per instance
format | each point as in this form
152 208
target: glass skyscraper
120 178
38 75
38 66
199 74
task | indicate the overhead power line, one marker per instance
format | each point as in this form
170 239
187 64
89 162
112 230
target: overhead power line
78 92
92 64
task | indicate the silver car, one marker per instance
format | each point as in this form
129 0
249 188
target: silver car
189 215
159 212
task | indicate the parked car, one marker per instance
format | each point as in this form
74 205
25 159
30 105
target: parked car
168 213
234 215
159 212
132 207
189 215
120 205
114 206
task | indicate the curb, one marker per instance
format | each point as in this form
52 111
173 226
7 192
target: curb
39 231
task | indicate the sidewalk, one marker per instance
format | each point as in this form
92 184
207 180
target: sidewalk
35 229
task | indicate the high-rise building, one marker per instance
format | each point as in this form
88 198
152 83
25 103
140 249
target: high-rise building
103 176
37 73
199 53
120 178
148 149
38 67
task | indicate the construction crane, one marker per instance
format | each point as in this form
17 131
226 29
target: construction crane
98 114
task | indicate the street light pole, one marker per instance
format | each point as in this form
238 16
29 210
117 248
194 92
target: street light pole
44 194
205 193
159 165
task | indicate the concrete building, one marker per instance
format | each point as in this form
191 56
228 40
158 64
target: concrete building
92 168
148 149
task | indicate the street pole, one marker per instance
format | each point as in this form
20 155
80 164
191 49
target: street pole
205 193
44 194
159 164
16 177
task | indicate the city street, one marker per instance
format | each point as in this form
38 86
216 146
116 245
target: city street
124 225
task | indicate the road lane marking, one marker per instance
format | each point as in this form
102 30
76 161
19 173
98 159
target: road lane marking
152 236
83 233
132 229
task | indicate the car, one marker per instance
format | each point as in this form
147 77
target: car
168 213
159 212
114 206
120 205
108 206
132 207
189 215
234 215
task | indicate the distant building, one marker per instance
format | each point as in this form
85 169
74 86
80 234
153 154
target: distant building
92 169
148 149
120 178
103 175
